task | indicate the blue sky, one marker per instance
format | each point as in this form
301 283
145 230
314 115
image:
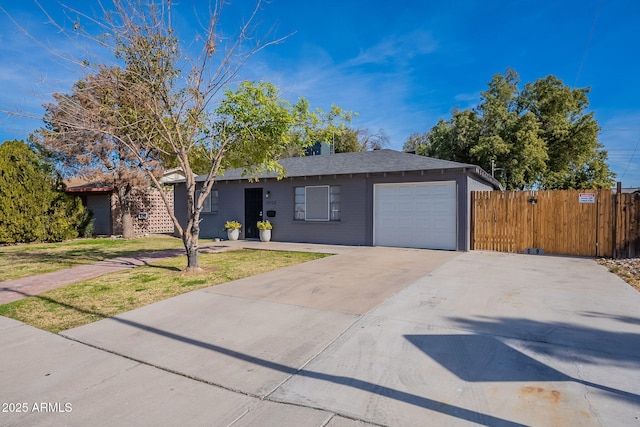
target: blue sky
401 65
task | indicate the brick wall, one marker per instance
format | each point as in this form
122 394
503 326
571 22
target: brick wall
150 202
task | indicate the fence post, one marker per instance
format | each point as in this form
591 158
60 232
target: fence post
472 237
598 195
616 200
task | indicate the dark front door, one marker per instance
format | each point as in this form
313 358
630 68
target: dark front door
252 212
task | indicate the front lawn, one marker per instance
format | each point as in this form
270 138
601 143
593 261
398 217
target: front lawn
91 300
24 260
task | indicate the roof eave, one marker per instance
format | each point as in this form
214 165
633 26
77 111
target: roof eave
81 190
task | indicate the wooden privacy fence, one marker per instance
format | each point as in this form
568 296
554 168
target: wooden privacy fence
569 222
626 228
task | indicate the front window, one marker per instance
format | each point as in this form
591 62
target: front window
210 204
317 203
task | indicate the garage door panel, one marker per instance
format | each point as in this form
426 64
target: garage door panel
424 207
397 239
417 215
403 205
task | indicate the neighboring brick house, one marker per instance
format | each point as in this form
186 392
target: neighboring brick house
149 213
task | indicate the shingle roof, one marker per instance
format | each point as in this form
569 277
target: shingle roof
377 161
353 163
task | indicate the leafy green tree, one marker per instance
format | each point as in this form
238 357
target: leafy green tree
351 140
329 127
453 140
170 108
419 143
346 141
575 157
540 136
33 205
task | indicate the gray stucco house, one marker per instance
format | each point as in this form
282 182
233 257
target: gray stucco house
380 198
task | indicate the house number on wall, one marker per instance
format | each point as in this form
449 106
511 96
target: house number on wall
271 202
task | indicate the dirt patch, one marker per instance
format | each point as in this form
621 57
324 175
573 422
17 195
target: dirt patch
627 269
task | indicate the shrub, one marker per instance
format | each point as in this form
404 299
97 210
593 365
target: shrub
33 205
264 225
232 225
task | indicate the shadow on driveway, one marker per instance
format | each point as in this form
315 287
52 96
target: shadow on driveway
412 399
483 358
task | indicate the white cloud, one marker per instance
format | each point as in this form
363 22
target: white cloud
467 101
468 97
397 49
381 96
378 98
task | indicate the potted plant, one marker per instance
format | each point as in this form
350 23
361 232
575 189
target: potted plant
233 229
265 230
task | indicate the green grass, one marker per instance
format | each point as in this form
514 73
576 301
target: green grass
24 260
91 300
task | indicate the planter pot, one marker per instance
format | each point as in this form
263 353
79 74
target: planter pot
233 234
265 235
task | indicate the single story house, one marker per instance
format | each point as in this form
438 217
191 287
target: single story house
380 198
149 211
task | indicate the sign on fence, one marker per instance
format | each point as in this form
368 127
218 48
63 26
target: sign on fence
586 198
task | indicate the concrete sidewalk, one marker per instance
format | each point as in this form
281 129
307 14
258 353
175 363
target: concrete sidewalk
372 336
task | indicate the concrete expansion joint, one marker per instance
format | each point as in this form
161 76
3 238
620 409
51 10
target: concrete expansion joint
162 368
114 375
231 389
319 408
352 419
268 397
314 356
333 414
239 417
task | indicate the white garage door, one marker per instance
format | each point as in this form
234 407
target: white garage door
415 215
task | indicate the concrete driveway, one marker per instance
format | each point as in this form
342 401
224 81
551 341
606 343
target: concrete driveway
379 336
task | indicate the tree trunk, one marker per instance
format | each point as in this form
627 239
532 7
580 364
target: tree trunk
124 199
191 245
127 225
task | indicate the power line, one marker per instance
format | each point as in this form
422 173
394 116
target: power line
586 48
630 159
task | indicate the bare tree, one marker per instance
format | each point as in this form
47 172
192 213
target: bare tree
167 107
70 138
372 140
